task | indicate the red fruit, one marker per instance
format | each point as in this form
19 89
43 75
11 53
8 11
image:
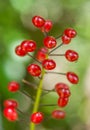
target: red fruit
58 114
42 54
47 26
19 51
63 90
62 102
28 45
13 86
38 21
10 113
34 69
65 39
50 42
37 117
72 77
70 32
71 55
10 103
49 64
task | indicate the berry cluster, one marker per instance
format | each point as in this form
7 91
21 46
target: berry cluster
43 66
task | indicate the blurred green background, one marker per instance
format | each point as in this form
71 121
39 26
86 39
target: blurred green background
15 26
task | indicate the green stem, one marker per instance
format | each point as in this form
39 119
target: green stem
38 95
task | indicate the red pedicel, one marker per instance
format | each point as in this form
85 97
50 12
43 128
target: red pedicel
28 45
72 77
10 113
37 117
49 64
38 21
13 86
34 69
58 114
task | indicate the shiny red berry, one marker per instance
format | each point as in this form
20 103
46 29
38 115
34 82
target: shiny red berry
58 114
38 21
71 55
63 90
19 51
65 39
72 77
28 45
13 86
42 54
10 113
10 103
49 64
50 42
37 117
47 26
34 69
62 102
70 32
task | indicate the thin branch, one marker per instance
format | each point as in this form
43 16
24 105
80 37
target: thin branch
33 58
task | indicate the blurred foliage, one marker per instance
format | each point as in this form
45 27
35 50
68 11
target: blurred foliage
15 26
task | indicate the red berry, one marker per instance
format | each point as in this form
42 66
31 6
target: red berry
13 86
58 114
63 90
65 39
37 117
49 64
34 69
50 42
10 103
28 45
62 102
38 21
72 77
71 55
10 113
47 26
70 32
42 54
19 51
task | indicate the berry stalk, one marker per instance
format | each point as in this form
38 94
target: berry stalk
38 95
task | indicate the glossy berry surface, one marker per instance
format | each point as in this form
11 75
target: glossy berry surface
47 26
37 117
49 64
63 90
70 32
13 86
50 42
42 54
28 45
65 39
62 102
72 77
19 51
71 55
34 69
10 113
38 21
10 103
58 114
